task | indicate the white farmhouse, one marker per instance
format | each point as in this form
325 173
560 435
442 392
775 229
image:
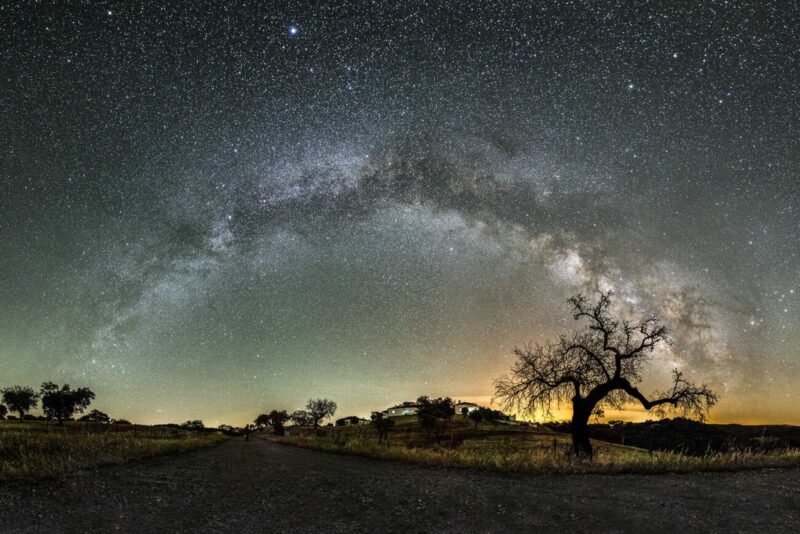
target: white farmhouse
465 408
407 408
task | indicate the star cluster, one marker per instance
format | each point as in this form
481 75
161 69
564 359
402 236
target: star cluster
208 207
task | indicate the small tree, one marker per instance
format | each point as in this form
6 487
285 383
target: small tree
476 416
193 424
20 399
439 429
596 365
484 414
427 422
301 418
383 425
493 416
319 409
441 408
432 415
62 403
262 421
96 416
277 420
433 426
3 411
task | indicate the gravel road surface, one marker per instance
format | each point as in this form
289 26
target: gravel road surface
258 486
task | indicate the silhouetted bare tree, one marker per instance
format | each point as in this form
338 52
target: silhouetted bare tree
597 365
20 399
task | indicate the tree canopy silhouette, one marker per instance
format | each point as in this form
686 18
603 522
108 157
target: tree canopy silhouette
96 416
432 415
599 364
301 418
442 408
262 421
62 403
193 424
274 419
319 409
20 399
277 418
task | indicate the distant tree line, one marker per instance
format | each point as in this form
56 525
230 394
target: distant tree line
433 416
194 424
316 411
58 404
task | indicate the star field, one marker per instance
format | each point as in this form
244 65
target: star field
209 209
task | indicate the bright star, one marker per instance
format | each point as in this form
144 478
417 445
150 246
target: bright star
293 30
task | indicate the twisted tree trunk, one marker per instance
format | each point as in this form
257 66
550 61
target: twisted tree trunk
581 445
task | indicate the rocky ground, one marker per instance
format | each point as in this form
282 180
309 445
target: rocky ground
258 486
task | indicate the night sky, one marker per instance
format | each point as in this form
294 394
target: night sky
210 209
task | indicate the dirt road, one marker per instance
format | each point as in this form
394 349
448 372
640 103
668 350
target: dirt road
262 487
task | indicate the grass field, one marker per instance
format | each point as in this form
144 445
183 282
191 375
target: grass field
520 449
31 450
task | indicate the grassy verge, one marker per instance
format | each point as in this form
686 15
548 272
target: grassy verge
30 453
536 453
